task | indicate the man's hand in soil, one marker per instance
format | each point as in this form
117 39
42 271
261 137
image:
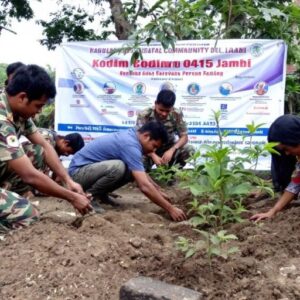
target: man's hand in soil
262 216
155 195
177 214
286 198
82 204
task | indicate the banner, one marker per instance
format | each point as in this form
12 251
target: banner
243 79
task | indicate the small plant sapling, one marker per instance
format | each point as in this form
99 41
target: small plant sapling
163 174
213 245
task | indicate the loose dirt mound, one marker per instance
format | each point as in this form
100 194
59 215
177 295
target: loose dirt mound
56 260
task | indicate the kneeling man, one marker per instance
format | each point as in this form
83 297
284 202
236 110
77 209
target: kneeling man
111 161
26 93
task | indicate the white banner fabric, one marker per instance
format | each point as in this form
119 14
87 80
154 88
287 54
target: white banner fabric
244 79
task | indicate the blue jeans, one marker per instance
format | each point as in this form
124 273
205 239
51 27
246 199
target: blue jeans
103 177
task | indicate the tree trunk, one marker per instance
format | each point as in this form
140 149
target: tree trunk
291 105
122 26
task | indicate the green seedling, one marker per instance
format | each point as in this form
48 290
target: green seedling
163 174
213 245
218 183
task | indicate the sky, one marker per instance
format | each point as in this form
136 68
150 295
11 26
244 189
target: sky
24 46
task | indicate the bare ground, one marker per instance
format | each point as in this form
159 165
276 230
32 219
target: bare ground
54 259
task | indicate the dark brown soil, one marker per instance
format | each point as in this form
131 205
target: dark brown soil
55 260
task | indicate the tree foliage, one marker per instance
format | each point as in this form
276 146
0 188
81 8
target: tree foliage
74 23
167 21
69 22
2 75
214 19
170 20
292 93
19 9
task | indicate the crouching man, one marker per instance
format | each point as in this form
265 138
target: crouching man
113 160
26 93
176 150
63 145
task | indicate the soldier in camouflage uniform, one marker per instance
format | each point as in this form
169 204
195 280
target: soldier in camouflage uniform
26 93
63 145
175 151
15 211
13 181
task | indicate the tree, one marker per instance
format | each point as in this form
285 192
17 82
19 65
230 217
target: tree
45 119
19 9
2 75
51 72
293 93
72 23
166 21
171 20
215 19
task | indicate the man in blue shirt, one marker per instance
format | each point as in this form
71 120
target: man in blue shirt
111 161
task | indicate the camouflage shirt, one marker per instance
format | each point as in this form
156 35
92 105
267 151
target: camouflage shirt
49 135
11 130
294 185
174 123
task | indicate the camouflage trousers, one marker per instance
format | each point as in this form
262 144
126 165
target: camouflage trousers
180 156
13 181
15 210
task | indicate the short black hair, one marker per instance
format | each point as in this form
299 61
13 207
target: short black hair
75 141
157 131
12 68
166 97
34 81
285 130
